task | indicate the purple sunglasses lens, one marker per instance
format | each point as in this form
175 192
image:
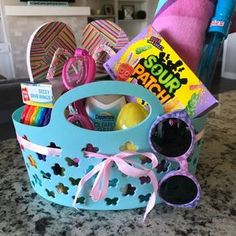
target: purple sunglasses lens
178 190
171 137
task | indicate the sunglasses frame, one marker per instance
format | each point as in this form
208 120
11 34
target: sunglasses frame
186 173
182 159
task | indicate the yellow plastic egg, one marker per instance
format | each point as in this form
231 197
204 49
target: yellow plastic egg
130 115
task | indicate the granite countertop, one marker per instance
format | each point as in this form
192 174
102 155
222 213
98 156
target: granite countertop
23 212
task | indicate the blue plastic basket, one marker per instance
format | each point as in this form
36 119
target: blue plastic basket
56 178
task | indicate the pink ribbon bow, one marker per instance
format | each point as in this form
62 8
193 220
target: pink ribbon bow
100 186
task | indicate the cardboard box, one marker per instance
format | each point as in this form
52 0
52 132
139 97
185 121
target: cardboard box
41 94
151 62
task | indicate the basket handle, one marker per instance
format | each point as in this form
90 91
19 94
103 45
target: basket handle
104 88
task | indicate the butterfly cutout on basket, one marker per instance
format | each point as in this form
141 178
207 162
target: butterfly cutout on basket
74 181
113 182
61 188
72 162
45 175
144 198
50 193
43 157
128 190
80 200
37 180
90 148
58 170
111 201
145 180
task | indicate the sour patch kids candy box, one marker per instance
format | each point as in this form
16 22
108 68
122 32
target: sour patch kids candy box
151 62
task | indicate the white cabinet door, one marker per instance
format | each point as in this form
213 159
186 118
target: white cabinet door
1 31
5 61
229 58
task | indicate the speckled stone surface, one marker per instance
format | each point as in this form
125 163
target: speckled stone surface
23 212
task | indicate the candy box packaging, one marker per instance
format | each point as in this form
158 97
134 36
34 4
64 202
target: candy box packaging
151 62
41 94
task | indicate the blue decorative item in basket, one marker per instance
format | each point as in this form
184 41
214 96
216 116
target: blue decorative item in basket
57 170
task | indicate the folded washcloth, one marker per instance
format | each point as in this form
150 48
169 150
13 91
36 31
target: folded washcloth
184 23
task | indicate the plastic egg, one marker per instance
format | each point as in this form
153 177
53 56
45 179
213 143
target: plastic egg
130 115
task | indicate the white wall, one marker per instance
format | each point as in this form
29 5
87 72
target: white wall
229 58
17 2
152 5
13 2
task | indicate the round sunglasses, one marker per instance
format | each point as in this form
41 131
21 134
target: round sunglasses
172 136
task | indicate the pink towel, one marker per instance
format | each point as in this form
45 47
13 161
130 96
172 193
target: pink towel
184 23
